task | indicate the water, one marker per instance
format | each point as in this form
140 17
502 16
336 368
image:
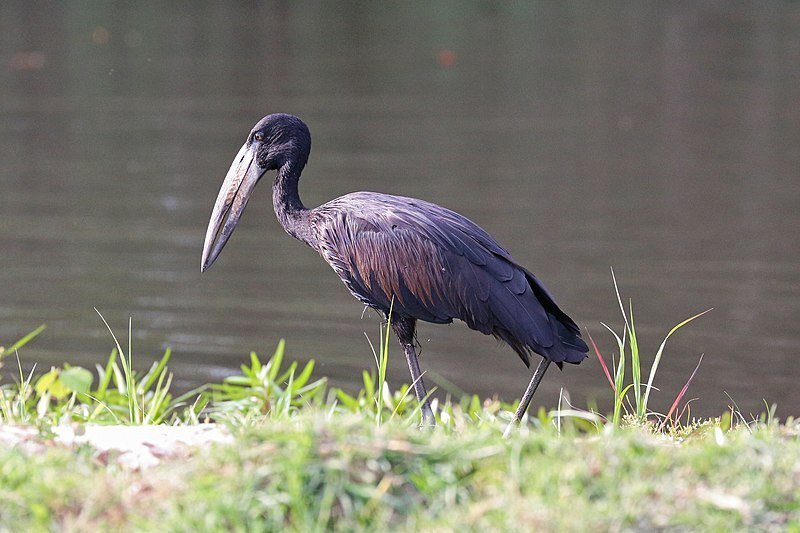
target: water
661 140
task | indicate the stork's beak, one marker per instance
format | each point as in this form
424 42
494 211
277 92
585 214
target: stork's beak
239 183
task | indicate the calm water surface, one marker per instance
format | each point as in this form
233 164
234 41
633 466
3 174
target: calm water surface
661 140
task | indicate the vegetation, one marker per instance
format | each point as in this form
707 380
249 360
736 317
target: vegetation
308 457
315 471
638 409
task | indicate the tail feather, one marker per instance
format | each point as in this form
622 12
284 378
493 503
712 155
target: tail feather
568 348
573 347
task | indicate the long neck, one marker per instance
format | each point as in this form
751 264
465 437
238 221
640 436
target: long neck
291 213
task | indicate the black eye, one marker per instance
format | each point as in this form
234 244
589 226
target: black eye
259 136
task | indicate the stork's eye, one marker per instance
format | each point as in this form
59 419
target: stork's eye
259 136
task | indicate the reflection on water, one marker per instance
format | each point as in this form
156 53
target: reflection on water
663 141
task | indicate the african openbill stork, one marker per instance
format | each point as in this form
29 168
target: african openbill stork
421 260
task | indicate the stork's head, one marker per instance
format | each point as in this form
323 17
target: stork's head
276 141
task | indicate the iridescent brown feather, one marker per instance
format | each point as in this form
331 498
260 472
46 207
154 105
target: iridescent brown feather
438 266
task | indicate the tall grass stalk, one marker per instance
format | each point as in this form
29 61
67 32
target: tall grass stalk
382 361
147 399
128 379
629 338
620 390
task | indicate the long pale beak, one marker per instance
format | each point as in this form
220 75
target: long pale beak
239 183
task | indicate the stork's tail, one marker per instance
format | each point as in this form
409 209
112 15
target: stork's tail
571 348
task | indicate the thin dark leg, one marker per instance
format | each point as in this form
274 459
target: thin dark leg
404 329
526 398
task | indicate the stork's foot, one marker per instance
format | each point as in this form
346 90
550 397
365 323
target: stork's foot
510 427
428 420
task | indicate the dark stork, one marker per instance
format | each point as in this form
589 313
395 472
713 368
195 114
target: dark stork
421 260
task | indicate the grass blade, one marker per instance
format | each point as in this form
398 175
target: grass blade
660 352
602 363
619 376
636 368
683 390
383 362
22 342
155 372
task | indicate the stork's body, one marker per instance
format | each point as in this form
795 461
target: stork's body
420 260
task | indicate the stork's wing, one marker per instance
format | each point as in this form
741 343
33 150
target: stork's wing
438 265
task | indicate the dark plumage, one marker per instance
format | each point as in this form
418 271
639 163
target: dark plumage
437 265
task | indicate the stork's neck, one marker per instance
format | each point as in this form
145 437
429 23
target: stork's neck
291 213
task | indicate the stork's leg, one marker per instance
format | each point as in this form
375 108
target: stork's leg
404 329
526 398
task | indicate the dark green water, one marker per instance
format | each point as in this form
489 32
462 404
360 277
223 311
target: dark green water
661 140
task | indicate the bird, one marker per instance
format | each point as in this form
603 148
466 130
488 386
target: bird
409 259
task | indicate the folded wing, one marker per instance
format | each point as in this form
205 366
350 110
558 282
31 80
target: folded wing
438 265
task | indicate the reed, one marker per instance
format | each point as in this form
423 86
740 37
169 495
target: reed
628 349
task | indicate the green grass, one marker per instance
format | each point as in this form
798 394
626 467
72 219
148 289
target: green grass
309 457
318 471
628 349
119 395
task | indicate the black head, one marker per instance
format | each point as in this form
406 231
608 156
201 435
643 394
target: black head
279 139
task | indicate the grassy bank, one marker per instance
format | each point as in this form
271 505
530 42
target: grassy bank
317 470
302 456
